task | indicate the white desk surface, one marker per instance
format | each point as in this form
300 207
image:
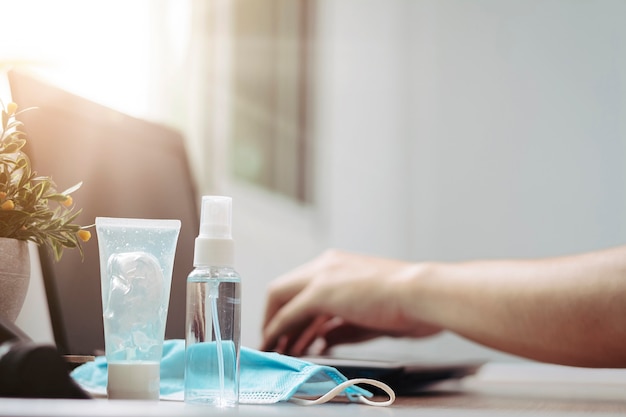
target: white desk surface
525 389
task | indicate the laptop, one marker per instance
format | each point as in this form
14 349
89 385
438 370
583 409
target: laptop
404 376
129 168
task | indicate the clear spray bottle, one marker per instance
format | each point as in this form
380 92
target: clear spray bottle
213 322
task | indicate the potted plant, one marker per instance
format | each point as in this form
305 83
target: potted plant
31 209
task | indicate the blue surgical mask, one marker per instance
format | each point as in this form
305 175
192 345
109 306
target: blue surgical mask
265 378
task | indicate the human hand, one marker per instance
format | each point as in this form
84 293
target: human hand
340 297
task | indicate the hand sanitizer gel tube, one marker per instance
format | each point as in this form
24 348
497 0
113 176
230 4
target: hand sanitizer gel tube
213 319
136 263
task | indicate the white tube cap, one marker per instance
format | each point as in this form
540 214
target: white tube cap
133 381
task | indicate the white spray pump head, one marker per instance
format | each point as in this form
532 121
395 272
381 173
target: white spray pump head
215 217
214 244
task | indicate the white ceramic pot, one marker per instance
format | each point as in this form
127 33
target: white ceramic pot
14 276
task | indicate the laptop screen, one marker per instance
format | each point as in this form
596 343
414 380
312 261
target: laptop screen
129 168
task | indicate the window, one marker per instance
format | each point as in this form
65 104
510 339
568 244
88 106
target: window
271 95
125 54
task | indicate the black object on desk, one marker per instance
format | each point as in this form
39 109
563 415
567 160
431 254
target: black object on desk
33 370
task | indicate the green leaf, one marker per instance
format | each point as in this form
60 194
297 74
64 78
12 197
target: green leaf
33 219
72 189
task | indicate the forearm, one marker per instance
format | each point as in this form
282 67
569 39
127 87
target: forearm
569 310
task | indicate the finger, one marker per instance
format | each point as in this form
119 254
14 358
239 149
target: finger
305 339
279 338
285 287
278 295
281 344
338 332
291 320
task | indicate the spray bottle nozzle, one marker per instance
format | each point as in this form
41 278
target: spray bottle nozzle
215 217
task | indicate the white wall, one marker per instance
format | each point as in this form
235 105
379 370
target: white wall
454 129
519 130
362 124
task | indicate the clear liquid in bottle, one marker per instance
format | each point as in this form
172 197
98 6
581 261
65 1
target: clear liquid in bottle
213 328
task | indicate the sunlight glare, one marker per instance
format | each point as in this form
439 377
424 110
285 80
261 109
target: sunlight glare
104 50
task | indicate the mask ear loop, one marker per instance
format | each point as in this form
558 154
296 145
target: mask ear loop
341 387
